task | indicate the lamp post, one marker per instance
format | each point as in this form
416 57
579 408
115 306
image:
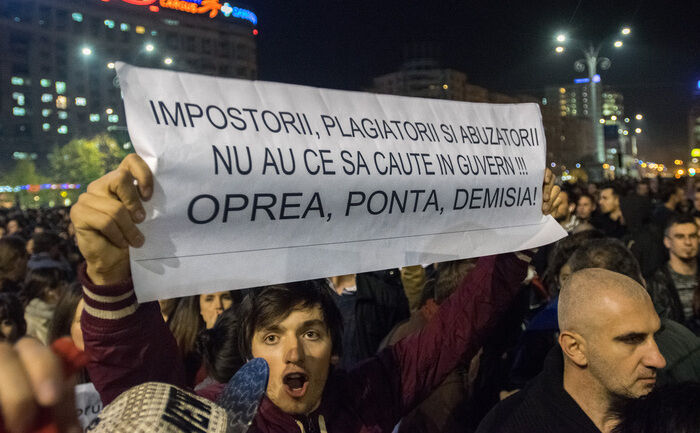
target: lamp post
591 62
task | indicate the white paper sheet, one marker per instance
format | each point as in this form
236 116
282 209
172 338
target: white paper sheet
405 181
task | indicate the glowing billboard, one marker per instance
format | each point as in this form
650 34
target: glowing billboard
210 7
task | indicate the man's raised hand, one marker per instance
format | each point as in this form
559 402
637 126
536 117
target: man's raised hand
105 219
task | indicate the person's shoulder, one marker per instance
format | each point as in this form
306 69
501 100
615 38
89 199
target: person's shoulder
660 276
504 416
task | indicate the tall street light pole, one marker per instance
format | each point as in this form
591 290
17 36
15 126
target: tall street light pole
591 62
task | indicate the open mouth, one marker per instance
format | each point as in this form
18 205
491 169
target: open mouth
295 384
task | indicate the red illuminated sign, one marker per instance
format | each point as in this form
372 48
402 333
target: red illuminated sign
194 7
213 7
140 2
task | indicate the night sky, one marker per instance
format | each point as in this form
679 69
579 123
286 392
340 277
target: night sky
504 46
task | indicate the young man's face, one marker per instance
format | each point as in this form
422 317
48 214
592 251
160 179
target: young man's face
584 207
622 355
682 241
608 201
298 351
643 189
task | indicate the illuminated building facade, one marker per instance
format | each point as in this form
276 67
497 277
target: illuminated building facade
57 79
571 138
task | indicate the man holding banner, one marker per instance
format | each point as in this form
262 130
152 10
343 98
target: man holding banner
129 343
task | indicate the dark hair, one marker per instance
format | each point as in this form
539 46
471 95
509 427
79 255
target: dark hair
678 219
673 408
616 190
561 253
218 346
186 321
45 242
667 190
40 281
268 305
587 195
12 248
11 308
65 312
608 253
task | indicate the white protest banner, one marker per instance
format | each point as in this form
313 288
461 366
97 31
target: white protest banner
260 183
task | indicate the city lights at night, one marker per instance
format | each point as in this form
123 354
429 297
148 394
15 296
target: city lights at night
385 216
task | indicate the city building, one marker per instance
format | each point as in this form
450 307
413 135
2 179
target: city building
57 78
571 138
421 75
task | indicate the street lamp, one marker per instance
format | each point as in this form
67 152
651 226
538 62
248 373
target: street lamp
168 61
150 47
87 51
639 117
591 62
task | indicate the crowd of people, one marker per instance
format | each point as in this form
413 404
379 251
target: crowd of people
598 332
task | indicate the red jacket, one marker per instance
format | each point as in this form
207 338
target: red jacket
129 344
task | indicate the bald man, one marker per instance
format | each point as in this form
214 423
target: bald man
607 352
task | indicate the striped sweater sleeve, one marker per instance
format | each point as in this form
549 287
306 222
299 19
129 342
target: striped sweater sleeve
127 343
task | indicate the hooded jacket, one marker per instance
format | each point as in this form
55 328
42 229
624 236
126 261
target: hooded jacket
129 344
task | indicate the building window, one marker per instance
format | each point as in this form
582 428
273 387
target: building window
77 17
17 81
61 102
45 126
63 129
124 27
46 112
109 24
80 101
94 117
19 97
46 97
62 115
60 87
113 118
19 111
